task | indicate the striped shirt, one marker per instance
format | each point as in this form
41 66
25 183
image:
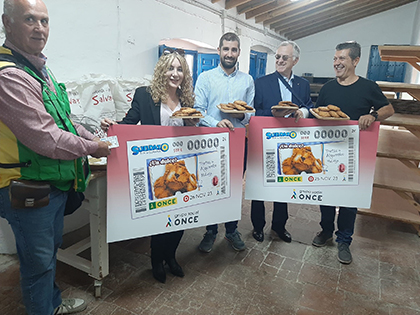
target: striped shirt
214 87
22 110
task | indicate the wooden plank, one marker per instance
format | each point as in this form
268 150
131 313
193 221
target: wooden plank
401 52
293 10
392 174
341 10
244 8
298 14
403 120
388 204
229 4
412 89
394 49
398 144
262 10
320 26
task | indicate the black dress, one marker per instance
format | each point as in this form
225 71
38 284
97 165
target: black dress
163 246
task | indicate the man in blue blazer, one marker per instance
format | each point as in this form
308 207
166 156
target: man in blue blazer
282 85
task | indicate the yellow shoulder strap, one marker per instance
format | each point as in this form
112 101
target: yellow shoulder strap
5 51
4 64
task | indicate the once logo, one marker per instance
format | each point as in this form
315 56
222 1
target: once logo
162 203
289 179
310 197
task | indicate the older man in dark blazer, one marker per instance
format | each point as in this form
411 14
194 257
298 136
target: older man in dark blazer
282 85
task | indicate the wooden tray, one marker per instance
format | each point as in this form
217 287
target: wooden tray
186 117
235 111
278 107
327 118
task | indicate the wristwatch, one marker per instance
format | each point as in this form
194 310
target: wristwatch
374 114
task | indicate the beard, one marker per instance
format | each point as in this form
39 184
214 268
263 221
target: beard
228 64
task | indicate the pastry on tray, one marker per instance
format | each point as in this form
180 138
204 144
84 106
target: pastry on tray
329 112
285 105
236 106
187 112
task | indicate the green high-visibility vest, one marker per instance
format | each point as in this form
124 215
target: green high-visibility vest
59 173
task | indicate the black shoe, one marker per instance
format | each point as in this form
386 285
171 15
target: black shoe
321 239
258 235
175 268
284 235
159 272
344 254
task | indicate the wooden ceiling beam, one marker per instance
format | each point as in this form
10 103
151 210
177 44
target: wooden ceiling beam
304 13
265 8
324 25
252 5
340 11
367 10
229 4
290 8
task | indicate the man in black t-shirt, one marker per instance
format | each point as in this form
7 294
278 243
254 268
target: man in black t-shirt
364 101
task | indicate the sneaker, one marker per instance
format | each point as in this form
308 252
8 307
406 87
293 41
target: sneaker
206 244
70 306
321 239
344 254
235 240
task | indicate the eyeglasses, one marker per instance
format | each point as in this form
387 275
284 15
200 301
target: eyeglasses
284 57
168 51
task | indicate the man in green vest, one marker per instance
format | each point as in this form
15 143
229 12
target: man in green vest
38 144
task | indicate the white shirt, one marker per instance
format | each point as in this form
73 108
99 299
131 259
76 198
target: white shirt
166 112
286 95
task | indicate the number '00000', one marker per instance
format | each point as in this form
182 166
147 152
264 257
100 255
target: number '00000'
330 134
202 144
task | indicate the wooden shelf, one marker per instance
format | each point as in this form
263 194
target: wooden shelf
402 120
410 122
409 54
412 89
392 174
398 144
388 204
396 185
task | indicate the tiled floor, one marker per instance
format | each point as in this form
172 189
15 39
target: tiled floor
268 278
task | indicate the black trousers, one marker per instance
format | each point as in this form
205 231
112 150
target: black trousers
233 225
280 215
163 246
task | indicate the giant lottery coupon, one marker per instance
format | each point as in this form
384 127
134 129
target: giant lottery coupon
311 161
171 173
162 179
321 155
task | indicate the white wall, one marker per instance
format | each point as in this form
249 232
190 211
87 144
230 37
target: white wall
390 27
119 38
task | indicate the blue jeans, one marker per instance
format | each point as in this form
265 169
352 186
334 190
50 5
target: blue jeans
229 226
345 222
38 233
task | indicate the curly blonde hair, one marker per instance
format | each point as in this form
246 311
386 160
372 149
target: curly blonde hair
158 88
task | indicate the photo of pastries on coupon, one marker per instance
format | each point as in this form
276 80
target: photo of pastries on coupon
297 160
166 180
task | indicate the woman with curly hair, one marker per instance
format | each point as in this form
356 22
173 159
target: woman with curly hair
171 89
